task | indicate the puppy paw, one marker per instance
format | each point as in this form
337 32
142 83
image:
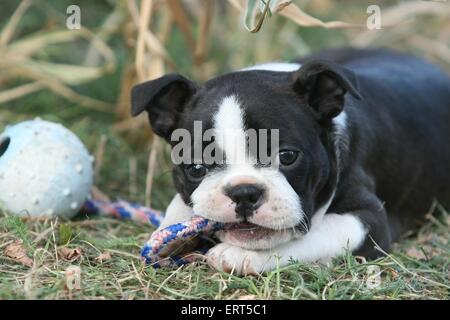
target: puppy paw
232 259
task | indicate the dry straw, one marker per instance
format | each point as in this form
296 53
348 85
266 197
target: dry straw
17 60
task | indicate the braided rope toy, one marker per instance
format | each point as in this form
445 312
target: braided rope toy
160 240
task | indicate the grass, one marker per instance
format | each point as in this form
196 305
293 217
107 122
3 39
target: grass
418 267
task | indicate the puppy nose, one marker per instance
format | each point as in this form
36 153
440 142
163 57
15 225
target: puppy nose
247 198
245 193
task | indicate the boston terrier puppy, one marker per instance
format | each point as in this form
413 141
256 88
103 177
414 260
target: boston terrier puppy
363 152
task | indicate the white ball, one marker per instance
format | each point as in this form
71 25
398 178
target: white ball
45 170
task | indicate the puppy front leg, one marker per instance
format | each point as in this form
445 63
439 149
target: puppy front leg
176 212
331 237
335 234
358 232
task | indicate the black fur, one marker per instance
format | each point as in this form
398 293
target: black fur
395 159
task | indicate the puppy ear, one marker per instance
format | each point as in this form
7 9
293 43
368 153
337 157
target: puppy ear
164 99
324 84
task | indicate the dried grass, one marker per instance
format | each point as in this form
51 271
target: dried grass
16 60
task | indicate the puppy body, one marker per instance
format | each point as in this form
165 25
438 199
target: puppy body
370 134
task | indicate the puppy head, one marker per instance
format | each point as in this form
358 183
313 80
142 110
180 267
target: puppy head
259 154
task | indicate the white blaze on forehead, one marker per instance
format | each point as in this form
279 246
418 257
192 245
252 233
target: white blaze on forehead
341 134
340 123
230 130
275 66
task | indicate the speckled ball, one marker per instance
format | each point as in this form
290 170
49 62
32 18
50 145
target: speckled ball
45 170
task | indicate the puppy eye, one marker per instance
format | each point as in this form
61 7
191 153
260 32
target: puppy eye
196 171
287 157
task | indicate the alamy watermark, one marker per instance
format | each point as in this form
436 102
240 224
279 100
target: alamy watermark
251 147
374 20
73 21
373 279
